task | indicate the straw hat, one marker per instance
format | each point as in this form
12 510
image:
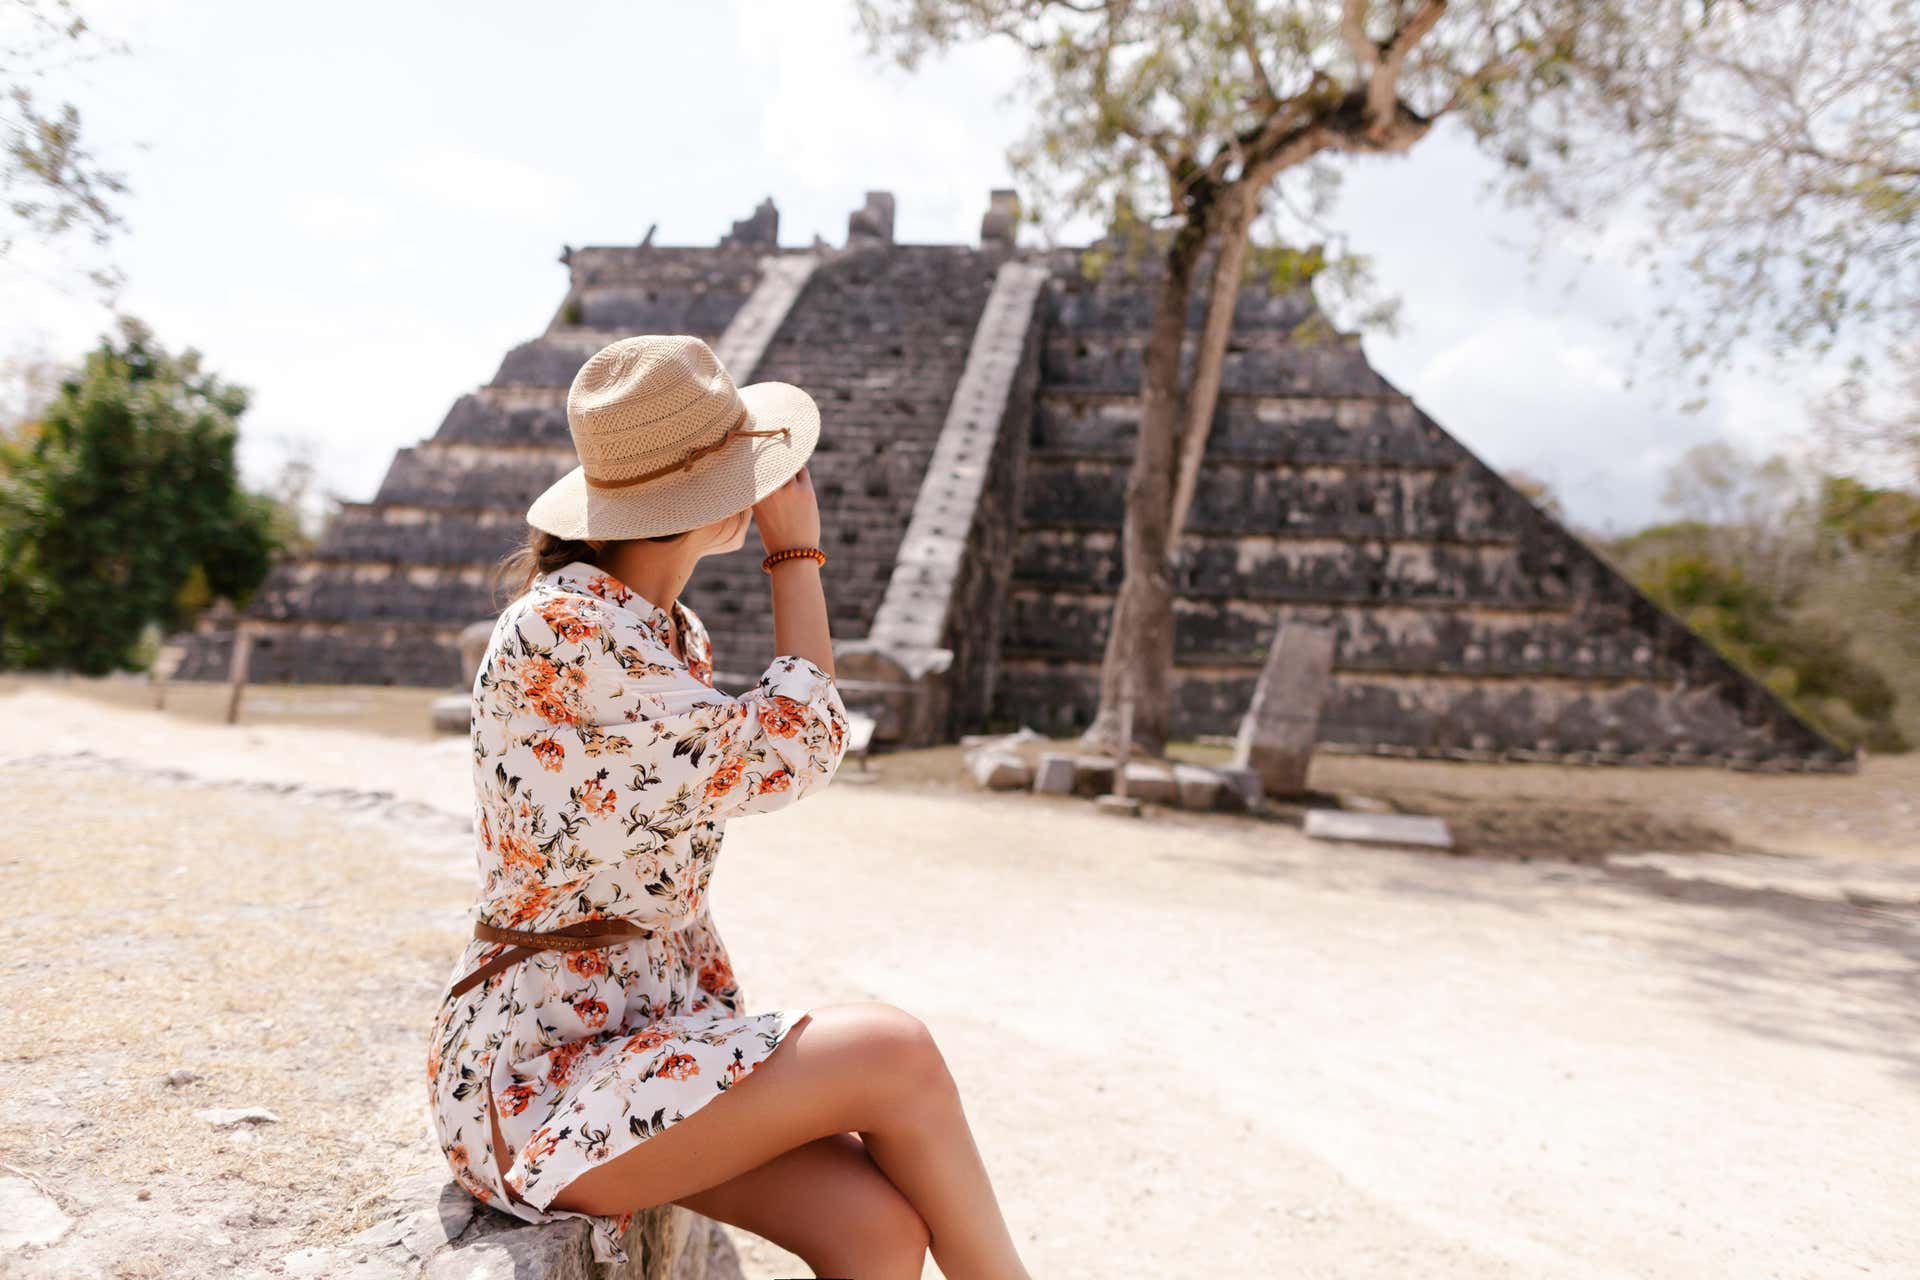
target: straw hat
667 442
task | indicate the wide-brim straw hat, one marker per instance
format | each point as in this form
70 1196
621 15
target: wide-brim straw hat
667 442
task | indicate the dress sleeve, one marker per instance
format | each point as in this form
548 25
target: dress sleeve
680 749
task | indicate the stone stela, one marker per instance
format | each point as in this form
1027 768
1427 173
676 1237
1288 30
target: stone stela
1278 733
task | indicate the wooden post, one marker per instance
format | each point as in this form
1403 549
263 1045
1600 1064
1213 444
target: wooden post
1125 752
237 669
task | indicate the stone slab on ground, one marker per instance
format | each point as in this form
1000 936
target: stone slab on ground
453 713
1379 828
1092 775
1054 775
1151 781
1000 770
1198 787
1245 791
970 741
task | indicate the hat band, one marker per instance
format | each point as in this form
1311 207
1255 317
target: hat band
599 482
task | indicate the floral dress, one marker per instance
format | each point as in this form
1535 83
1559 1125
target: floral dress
605 767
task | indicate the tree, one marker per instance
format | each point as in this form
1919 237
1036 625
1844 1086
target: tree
121 506
50 181
1874 441
1757 513
1807 660
1192 110
1806 578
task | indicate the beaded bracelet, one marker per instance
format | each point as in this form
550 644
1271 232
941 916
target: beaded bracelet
814 554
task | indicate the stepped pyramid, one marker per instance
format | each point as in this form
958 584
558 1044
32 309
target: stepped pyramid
979 405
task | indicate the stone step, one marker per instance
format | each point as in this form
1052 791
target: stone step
1319 500
1254 427
1273 566
1463 637
1266 363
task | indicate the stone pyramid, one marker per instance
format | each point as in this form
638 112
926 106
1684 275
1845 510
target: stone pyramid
979 406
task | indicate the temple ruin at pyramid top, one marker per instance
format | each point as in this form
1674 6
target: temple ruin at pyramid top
979 405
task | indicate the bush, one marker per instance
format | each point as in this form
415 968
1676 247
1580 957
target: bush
121 507
1808 661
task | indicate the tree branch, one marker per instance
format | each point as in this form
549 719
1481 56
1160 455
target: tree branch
1243 30
1353 30
1383 87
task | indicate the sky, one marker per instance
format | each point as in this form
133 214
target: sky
356 209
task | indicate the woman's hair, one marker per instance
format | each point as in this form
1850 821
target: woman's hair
544 552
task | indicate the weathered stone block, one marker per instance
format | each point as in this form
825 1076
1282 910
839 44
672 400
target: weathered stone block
1054 776
1280 728
1199 788
1242 789
1151 781
1379 828
453 713
1092 775
1000 770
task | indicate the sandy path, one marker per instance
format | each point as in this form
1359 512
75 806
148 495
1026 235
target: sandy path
1210 1047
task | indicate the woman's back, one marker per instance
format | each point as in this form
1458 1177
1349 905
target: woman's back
605 767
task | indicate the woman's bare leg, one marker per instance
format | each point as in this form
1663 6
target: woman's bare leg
865 1068
827 1201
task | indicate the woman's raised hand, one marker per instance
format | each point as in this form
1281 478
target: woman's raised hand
790 515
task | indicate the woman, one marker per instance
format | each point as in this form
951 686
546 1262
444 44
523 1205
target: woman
593 1055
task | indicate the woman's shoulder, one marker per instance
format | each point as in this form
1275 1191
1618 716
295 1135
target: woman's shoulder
550 614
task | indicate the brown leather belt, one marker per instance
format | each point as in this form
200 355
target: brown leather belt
582 935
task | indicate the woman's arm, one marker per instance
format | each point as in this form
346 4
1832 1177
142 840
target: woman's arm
675 750
790 517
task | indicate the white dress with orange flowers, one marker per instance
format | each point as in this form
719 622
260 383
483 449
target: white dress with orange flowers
605 768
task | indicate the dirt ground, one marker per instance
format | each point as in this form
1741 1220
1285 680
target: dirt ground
1189 1044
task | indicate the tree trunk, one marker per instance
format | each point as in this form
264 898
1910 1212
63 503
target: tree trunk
1140 629
1237 206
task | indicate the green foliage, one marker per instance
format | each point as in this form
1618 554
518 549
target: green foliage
121 508
1872 521
1806 661
1814 599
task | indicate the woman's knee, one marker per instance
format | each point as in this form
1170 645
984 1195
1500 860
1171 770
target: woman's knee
897 1049
883 1235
